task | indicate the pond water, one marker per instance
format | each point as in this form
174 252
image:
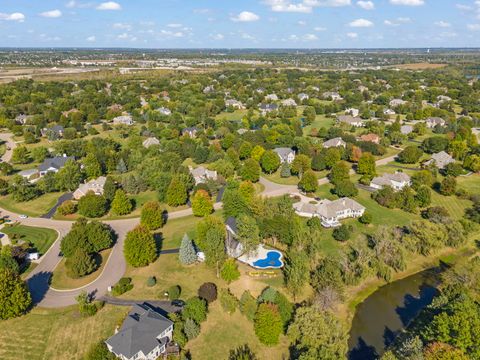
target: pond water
385 313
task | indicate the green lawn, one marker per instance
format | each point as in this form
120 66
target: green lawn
455 206
320 121
470 183
56 334
34 208
236 115
276 178
40 238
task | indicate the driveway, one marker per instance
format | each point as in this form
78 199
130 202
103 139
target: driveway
60 201
166 306
10 144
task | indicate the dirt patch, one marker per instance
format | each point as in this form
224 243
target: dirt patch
420 66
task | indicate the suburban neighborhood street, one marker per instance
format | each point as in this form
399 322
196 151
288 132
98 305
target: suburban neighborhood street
10 145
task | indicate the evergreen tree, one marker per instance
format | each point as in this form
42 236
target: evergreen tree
201 203
92 166
139 248
248 233
109 189
187 254
230 271
80 264
152 215
121 204
15 298
285 170
176 192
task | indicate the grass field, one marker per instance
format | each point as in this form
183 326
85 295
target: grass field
470 183
41 238
236 115
36 207
56 334
61 281
320 121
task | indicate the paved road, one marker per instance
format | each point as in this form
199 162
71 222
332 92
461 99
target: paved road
60 201
10 144
166 306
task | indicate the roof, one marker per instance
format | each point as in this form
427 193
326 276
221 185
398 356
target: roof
334 142
441 159
283 151
56 162
349 119
329 209
151 141
370 137
436 120
202 172
139 332
29 172
386 179
93 185
232 223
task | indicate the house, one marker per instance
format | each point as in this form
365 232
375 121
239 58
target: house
335 142
271 97
201 174
431 122
443 98
96 186
374 138
397 102
352 111
233 247
440 160
208 89
33 256
234 104
22 119
350 120
54 132
190 132
53 164
397 181
362 88
389 112
334 96
151 141
406 129
267 108
330 212
303 96
29 174
289 102
285 154
144 335
164 111
123 120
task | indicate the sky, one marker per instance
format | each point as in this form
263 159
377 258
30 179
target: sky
240 23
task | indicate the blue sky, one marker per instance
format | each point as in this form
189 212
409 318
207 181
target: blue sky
240 23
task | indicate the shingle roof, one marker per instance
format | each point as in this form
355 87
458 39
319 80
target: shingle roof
57 162
386 179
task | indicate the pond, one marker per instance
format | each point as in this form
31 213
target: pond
385 313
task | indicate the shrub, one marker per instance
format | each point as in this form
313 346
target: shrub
242 353
151 281
268 295
248 305
366 218
99 351
152 215
92 206
123 285
342 233
208 291
229 271
268 324
67 208
191 329
174 292
228 301
195 309
448 186
140 248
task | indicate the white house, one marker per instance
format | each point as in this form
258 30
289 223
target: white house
271 97
406 129
202 175
123 120
190 132
331 95
285 154
440 160
352 111
397 102
303 96
95 185
164 111
289 102
267 108
144 335
350 120
151 141
330 212
234 104
389 112
431 122
397 181
335 142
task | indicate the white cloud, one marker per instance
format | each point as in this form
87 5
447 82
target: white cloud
327 3
245 16
408 2
174 34
398 21
463 7
366 5
174 25
301 22
122 26
247 36
361 23
109 5
51 14
126 36
74 4
13 17
310 37
287 6
91 39
473 27
217 36
443 24
320 28
352 35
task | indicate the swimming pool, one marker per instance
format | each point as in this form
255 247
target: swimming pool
273 260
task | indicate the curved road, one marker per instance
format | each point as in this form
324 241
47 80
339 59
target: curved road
10 145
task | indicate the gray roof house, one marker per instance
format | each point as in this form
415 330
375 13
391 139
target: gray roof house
406 129
335 142
285 154
144 334
190 131
233 247
53 164
266 108
440 160
151 141
350 120
123 120
431 122
54 132
397 181
201 174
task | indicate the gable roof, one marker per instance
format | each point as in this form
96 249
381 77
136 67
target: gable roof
139 332
283 152
335 142
387 179
329 209
56 162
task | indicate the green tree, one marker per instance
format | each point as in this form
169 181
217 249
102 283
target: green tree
69 176
215 247
309 182
91 166
139 248
229 271
109 189
92 206
228 301
342 233
366 165
121 204
339 173
152 215
191 329
21 155
80 264
242 353
345 189
448 186
301 164
268 324
422 178
285 170
99 351
423 196
15 298
257 152
187 254
176 192
195 309
270 161
248 305
250 170
201 203
410 155
248 233
296 271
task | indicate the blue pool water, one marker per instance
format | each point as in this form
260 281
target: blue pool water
272 261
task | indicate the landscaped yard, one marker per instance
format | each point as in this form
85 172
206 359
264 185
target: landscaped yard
35 208
56 334
61 281
41 238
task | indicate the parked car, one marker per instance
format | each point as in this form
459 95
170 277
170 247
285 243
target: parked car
23 216
178 303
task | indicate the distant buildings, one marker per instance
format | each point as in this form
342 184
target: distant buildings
285 154
397 102
374 138
271 97
335 142
431 122
440 160
234 104
397 181
123 120
350 120
267 108
164 111
406 129
289 102
334 96
190 132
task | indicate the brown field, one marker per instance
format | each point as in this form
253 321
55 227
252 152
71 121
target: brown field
420 66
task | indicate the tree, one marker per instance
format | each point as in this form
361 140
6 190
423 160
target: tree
191 329
319 334
152 215
139 248
15 298
69 176
176 192
248 305
201 203
250 170
248 233
423 196
195 309
92 166
228 301
215 247
257 153
187 254
366 165
270 161
345 189
174 292
285 170
7 261
92 206
342 233
80 264
300 164
366 218
208 291
410 155
448 186
229 271
422 178
109 189
473 213
308 182
340 172
204 226
21 155
472 163
121 204
99 351
242 353
268 324
296 271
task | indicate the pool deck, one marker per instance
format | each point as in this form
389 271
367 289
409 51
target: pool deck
260 254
